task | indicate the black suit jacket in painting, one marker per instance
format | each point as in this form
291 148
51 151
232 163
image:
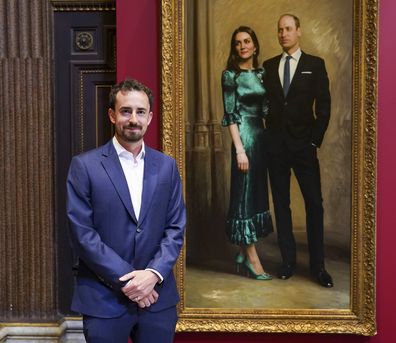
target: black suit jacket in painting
301 118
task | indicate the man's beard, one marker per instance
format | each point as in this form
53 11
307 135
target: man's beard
132 136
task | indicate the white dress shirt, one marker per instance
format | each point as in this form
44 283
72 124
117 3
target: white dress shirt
295 57
133 168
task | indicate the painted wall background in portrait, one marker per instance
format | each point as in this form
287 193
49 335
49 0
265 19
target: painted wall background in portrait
327 32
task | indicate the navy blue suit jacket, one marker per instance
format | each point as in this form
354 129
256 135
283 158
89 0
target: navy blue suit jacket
301 118
108 239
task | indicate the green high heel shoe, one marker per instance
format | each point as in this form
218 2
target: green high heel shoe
239 259
251 273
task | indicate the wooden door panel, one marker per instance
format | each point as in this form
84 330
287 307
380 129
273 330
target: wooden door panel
84 43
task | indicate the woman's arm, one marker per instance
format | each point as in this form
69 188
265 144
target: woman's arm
241 157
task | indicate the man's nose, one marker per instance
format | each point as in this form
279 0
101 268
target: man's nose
133 117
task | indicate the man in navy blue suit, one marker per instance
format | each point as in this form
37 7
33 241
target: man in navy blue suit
299 113
127 221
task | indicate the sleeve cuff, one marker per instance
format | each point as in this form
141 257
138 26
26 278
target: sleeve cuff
230 118
156 273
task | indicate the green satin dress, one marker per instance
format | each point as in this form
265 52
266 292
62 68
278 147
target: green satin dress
245 104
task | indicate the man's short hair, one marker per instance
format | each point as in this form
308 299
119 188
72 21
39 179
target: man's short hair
129 85
296 19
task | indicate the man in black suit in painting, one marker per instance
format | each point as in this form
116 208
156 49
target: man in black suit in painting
299 113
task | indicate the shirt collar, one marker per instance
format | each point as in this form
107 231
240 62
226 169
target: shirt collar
122 151
295 55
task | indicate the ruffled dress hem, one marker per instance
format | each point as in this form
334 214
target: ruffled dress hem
247 231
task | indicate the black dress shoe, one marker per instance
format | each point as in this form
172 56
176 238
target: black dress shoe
285 271
323 277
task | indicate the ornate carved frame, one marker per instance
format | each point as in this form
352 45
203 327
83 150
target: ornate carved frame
359 318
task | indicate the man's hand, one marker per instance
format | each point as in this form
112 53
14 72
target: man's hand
149 300
140 286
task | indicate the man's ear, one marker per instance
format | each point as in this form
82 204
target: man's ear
299 32
150 116
111 115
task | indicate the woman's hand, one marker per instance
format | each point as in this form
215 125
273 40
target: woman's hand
243 161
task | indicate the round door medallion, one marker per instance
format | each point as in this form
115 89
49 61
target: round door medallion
84 40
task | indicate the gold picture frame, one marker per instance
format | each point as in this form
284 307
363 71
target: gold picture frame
359 317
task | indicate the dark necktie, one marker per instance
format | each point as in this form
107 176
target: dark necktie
286 75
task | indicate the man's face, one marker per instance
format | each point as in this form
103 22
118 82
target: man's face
131 116
288 34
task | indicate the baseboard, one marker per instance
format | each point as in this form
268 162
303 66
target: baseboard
69 330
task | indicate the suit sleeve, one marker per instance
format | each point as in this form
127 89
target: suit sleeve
100 258
172 241
322 105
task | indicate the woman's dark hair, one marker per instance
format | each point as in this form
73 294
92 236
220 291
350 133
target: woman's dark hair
233 58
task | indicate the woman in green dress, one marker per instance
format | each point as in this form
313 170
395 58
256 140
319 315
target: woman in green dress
245 106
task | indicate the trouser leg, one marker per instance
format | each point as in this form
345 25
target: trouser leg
155 327
279 172
307 171
109 330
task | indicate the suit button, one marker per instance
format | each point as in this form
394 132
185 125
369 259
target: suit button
285 103
138 229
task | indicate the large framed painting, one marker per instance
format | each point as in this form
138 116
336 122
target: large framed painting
195 45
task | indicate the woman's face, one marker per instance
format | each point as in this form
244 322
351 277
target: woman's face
244 45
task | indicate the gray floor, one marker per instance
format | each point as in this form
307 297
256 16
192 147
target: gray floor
219 286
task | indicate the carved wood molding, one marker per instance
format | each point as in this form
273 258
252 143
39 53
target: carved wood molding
87 5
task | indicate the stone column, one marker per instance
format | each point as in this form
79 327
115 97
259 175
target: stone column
27 288
204 149
219 187
197 138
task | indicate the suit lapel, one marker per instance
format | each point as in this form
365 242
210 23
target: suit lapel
274 78
150 180
112 165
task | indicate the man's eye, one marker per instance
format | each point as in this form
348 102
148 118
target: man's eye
126 113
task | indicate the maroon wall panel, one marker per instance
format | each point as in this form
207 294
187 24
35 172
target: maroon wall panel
138 39
138 54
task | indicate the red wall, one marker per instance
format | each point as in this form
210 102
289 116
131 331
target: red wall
138 56
138 51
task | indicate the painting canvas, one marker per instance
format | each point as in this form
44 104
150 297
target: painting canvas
210 272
